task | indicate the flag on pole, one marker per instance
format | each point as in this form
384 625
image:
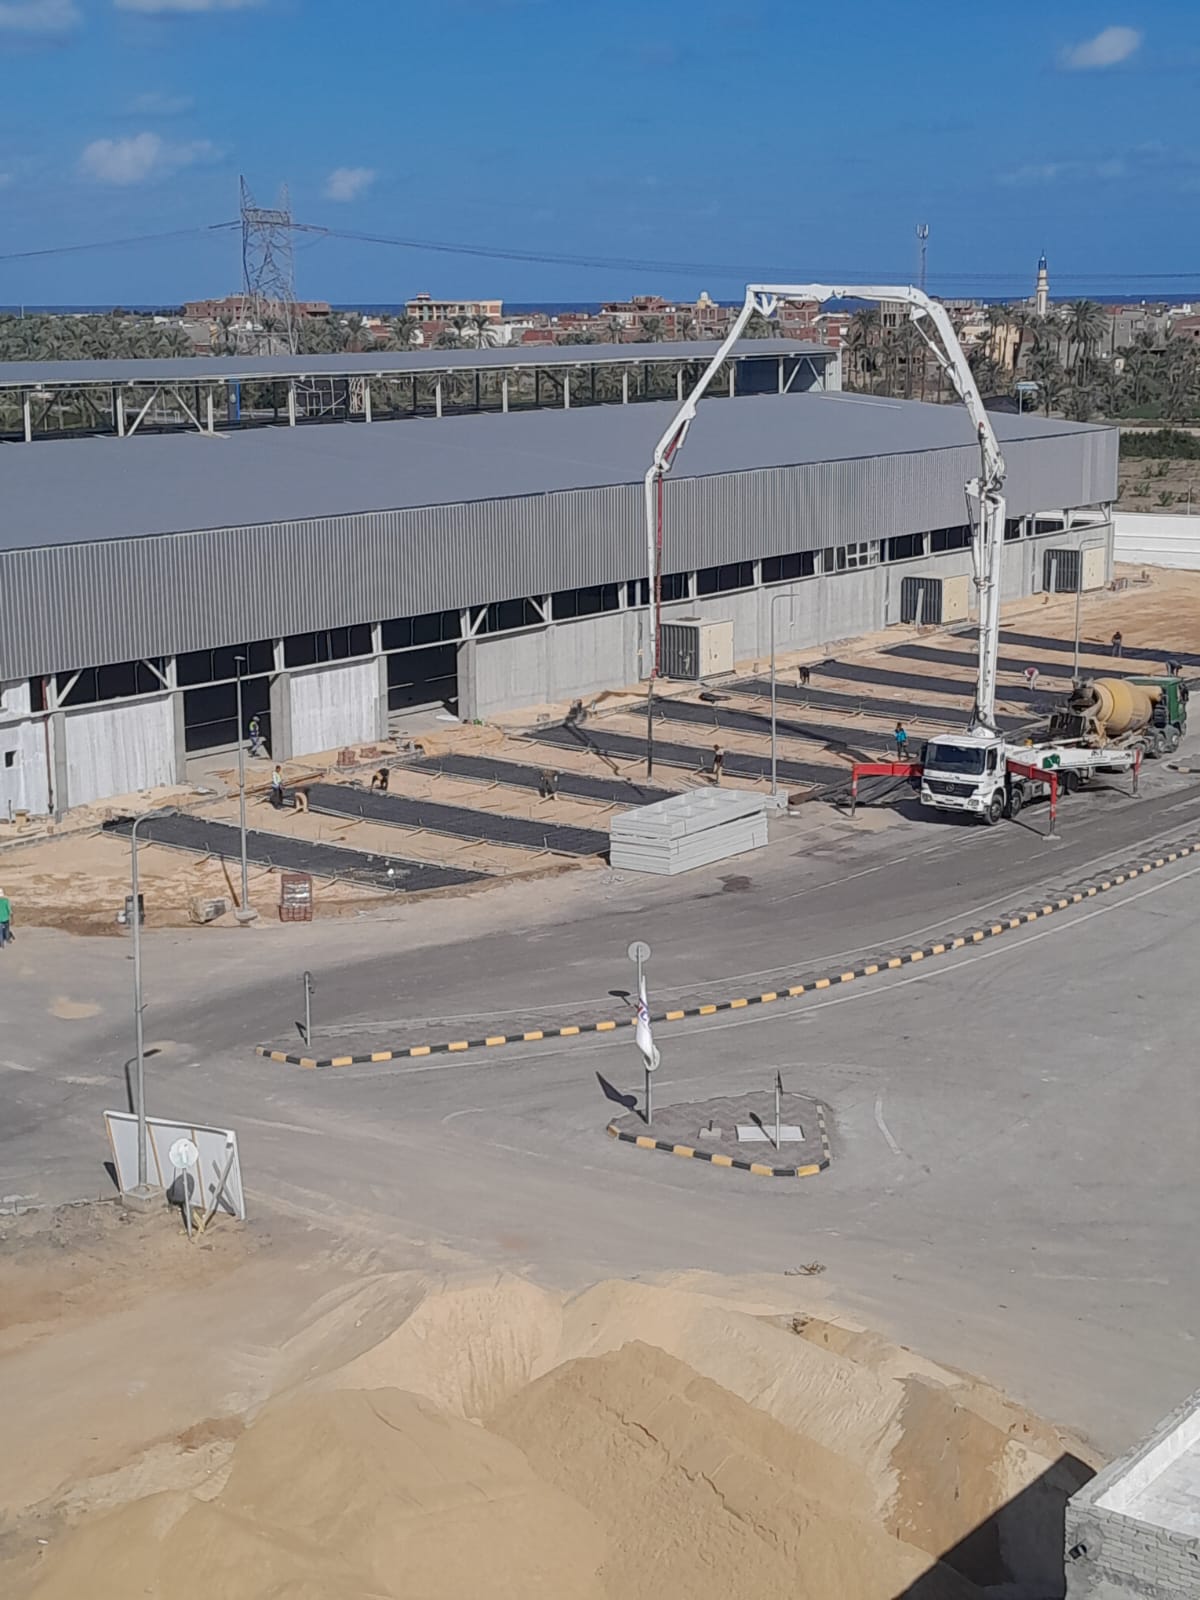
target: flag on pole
643 1036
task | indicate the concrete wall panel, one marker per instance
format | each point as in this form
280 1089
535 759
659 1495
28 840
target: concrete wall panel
23 784
119 749
1158 541
335 705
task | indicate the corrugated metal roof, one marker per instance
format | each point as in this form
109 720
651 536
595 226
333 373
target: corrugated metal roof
84 490
231 369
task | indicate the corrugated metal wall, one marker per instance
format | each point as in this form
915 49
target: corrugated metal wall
84 605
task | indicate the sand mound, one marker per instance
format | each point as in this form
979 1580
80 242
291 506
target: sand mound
494 1436
341 1496
699 1493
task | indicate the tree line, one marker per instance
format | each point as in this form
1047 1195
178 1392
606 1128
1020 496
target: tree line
1069 354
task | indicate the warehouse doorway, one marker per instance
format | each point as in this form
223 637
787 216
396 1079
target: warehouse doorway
421 681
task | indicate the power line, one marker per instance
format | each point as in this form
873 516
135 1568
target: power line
715 269
115 244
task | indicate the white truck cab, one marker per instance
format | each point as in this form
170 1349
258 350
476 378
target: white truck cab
966 772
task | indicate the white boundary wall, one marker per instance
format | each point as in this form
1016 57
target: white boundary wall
334 706
23 785
1157 540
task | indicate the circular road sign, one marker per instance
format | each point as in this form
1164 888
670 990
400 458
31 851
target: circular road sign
638 951
183 1154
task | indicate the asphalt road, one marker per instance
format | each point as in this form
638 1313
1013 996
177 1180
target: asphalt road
1014 1127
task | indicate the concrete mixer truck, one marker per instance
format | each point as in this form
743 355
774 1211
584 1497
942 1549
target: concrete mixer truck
1107 725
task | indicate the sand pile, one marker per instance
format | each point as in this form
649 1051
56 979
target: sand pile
628 1441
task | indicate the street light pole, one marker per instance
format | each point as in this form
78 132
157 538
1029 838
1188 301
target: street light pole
241 749
143 1163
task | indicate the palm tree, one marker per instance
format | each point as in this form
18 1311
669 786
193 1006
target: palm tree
759 327
860 347
686 326
1083 324
616 330
1046 371
401 331
1025 323
999 320
650 328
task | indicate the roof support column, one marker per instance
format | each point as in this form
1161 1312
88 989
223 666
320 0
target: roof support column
504 393
27 415
437 396
781 385
732 379
624 386
210 421
119 411
291 402
566 391
679 385
367 400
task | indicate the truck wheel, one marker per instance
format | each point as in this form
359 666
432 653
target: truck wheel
1155 744
1171 738
1068 782
1015 801
995 809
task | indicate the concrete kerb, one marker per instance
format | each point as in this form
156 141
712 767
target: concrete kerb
714 1158
947 946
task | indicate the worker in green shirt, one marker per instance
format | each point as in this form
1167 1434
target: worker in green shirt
5 919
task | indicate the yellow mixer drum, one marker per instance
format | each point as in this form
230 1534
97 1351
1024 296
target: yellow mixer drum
1121 706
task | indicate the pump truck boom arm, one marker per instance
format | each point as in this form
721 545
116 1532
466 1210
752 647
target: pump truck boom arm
985 494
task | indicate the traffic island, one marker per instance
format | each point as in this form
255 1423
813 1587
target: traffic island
707 1130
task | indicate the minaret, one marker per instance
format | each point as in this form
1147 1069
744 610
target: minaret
1041 294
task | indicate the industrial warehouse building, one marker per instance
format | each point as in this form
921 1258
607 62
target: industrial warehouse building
486 562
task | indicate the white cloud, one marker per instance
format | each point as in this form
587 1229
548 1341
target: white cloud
163 8
1110 46
39 19
347 183
140 158
160 103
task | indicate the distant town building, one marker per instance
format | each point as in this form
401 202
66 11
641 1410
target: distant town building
424 308
1041 292
234 307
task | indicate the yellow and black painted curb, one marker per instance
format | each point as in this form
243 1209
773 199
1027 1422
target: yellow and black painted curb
643 1141
1138 868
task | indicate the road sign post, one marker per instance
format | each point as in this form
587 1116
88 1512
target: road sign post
309 990
639 954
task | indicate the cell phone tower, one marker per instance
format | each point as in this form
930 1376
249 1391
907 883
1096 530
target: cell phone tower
922 243
269 321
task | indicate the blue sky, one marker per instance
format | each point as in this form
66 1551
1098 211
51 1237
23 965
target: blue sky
752 135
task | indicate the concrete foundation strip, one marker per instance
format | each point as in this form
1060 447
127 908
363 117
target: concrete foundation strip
870 969
643 1141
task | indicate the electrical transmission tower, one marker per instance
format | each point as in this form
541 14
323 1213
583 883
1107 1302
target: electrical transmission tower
922 242
270 321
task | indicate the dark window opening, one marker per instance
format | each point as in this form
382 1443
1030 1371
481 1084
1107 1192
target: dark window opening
214 666
10 758
505 615
943 539
329 644
569 603
119 681
1012 529
798 564
433 627
674 587
719 580
905 547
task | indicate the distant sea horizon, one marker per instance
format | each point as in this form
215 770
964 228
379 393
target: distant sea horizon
580 307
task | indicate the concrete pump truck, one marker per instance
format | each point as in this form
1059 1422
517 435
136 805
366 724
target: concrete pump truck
969 770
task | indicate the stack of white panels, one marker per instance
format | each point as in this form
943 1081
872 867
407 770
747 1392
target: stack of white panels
688 830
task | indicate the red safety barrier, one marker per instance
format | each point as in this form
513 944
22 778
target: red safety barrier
881 769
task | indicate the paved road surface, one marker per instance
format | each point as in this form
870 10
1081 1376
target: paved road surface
1014 1127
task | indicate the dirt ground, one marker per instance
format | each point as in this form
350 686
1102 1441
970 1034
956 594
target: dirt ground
275 1414
74 877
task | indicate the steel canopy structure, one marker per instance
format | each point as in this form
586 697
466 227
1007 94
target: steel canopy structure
205 393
